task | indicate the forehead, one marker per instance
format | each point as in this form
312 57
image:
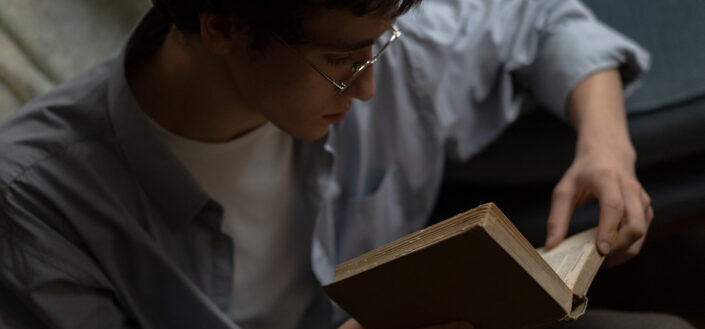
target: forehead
337 28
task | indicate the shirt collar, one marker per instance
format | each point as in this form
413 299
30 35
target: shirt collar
166 182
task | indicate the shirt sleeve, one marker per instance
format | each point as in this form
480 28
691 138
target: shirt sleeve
73 253
473 63
47 282
572 46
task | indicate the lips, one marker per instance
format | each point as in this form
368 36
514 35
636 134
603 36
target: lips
339 116
336 117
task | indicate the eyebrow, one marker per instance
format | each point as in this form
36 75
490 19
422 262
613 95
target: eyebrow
345 47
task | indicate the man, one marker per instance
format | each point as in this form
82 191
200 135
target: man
213 173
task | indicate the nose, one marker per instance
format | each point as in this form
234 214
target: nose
363 88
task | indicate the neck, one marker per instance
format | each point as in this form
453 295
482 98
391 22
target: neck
183 89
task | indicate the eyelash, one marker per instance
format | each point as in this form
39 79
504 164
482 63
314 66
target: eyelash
339 61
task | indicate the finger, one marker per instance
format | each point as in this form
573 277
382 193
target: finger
634 223
645 198
633 251
650 214
611 212
562 205
635 248
648 209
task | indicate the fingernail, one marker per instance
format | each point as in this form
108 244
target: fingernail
604 247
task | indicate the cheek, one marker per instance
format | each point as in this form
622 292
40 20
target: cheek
291 95
299 114
298 106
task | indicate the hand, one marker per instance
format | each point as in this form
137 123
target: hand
625 208
352 324
604 167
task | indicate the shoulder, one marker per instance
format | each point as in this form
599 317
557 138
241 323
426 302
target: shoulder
59 161
74 113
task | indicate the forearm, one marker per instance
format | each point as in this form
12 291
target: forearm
596 110
604 167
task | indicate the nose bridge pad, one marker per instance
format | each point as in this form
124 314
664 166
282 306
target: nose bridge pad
358 67
364 86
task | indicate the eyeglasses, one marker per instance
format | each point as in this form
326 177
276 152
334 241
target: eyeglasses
393 34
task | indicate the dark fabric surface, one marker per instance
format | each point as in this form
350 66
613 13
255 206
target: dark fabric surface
672 30
666 276
603 319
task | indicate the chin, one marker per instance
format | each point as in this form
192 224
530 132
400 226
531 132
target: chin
305 129
310 133
313 134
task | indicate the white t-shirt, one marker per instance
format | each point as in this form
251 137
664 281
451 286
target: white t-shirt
252 178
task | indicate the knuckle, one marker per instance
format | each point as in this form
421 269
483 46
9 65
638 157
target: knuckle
551 224
607 173
635 232
650 214
560 192
632 252
633 186
614 205
639 233
554 225
647 198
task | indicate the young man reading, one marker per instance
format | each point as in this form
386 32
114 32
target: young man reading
213 173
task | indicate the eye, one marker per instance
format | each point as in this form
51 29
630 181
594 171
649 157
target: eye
339 60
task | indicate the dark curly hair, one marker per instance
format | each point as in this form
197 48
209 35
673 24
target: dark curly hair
262 18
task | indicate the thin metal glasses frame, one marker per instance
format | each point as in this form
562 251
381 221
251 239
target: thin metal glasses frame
357 69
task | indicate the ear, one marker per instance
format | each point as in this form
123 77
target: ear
219 33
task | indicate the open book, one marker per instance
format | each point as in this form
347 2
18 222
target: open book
475 267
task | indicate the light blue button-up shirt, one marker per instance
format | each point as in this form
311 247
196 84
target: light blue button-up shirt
101 227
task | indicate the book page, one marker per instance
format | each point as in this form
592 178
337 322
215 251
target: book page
570 257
